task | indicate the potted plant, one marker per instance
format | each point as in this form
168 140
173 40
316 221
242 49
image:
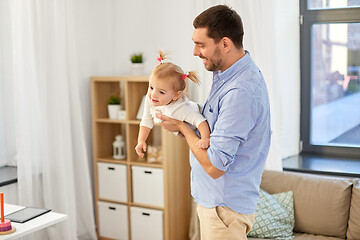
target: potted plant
137 66
113 106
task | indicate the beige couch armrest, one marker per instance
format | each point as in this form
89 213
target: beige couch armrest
353 232
321 203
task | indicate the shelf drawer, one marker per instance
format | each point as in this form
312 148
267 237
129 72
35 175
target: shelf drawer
148 185
146 223
113 221
112 182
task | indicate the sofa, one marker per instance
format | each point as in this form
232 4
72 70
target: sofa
325 207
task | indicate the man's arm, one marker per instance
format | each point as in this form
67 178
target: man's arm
191 138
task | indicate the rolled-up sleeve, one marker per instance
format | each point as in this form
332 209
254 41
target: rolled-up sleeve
147 120
189 114
235 119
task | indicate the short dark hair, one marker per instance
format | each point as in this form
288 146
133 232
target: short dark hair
221 21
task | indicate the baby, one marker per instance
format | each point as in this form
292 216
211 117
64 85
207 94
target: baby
166 96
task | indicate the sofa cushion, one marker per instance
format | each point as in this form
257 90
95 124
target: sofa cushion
321 203
274 216
305 236
353 231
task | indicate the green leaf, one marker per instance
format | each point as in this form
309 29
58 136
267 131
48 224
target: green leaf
114 100
136 58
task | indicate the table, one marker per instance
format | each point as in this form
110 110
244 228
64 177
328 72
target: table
33 225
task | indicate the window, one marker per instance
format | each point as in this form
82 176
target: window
328 4
330 76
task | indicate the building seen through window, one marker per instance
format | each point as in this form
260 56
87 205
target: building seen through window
326 4
335 97
330 77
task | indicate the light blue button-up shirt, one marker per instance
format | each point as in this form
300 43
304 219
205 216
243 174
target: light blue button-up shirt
238 114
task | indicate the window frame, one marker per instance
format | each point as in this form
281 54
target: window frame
309 17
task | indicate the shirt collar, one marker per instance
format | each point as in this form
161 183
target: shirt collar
233 69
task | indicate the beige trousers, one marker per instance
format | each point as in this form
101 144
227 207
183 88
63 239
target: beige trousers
222 223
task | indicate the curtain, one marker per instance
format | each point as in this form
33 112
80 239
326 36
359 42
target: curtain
7 116
52 158
260 19
272 37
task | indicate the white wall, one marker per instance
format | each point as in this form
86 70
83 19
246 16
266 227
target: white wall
289 76
110 31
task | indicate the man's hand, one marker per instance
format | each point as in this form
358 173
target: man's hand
169 124
192 139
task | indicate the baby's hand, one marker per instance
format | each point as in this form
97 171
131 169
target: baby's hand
140 149
203 143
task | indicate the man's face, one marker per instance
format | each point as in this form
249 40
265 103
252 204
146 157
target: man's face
207 49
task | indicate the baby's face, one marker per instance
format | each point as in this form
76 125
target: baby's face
161 92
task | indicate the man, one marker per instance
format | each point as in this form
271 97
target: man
225 178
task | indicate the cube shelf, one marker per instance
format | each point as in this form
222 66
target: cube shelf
120 184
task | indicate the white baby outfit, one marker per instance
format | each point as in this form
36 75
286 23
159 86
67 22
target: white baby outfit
182 110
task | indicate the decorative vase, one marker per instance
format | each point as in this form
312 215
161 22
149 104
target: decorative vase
137 69
113 110
122 114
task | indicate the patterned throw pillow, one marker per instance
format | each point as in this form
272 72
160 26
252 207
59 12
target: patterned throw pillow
274 216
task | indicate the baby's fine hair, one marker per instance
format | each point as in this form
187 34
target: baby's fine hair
173 73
